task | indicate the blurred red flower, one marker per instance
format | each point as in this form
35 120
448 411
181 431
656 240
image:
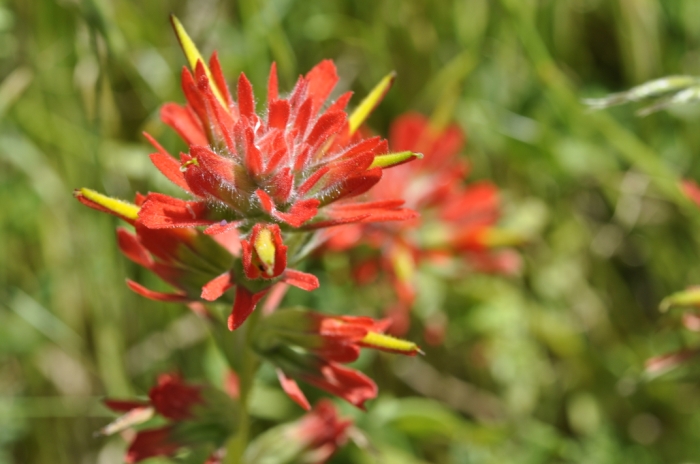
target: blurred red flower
196 415
455 219
312 346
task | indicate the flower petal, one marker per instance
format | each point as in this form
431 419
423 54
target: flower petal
291 388
301 280
161 211
243 306
216 287
157 296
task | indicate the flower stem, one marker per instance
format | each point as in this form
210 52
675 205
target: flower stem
246 365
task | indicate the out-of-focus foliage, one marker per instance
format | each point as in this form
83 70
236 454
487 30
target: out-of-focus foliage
545 367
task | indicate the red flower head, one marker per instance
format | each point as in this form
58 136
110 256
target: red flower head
266 177
311 346
455 219
198 416
312 439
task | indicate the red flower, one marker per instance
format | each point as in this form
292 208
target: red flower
321 431
265 177
311 346
455 219
196 415
283 167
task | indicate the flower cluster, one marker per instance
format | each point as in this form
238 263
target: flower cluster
263 190
271 180
198 416
456 220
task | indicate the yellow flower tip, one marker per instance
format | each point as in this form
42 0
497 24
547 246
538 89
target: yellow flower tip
186 164
394 159
496 238
193 56
687 297
265 249
404 264
389 343
121 208
366 106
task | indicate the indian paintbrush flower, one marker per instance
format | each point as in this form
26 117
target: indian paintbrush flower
312 346
198 416
270 177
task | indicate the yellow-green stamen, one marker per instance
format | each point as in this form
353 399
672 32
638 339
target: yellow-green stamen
265 248
370 102
119 207
392 159
389 343
193 57
689 297
494 238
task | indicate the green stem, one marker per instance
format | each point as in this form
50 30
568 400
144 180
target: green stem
246 365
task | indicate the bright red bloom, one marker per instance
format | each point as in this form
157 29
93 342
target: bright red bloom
323 343
188 408
283 167
265 177
455 219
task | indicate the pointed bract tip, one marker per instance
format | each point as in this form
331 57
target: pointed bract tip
388 343
687 297
193 57
362 112
494 237
188 47
394 159
96 200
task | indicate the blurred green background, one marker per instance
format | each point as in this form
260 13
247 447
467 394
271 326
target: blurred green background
542 368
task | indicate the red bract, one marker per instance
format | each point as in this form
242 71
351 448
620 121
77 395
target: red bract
197 415
174 399
455 219
322 343
321 431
